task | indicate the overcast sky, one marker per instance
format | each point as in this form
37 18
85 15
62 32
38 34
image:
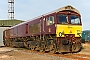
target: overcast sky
28 9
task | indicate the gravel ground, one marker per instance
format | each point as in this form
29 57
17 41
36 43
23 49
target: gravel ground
86 49
20 54
7 53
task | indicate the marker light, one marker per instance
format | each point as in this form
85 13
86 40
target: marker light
60 34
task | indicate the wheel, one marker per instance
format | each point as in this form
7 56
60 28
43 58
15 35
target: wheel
37 48
52 49
42 48
32 48
26 44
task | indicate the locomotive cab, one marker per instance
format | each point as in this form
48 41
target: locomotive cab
68 31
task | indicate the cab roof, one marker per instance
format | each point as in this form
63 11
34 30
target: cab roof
68 7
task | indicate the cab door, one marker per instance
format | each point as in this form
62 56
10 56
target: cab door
50 24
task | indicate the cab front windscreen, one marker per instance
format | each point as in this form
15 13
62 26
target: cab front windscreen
68 19
74 19
62 19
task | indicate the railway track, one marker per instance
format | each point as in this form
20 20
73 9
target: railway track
70 56
76 56
82 55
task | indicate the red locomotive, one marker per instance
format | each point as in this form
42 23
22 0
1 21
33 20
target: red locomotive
57 31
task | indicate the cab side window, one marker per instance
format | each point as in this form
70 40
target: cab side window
50 20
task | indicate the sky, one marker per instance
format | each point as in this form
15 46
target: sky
28 9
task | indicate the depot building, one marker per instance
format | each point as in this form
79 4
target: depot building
4 24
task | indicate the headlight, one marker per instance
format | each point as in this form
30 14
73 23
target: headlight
80 35
60 34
